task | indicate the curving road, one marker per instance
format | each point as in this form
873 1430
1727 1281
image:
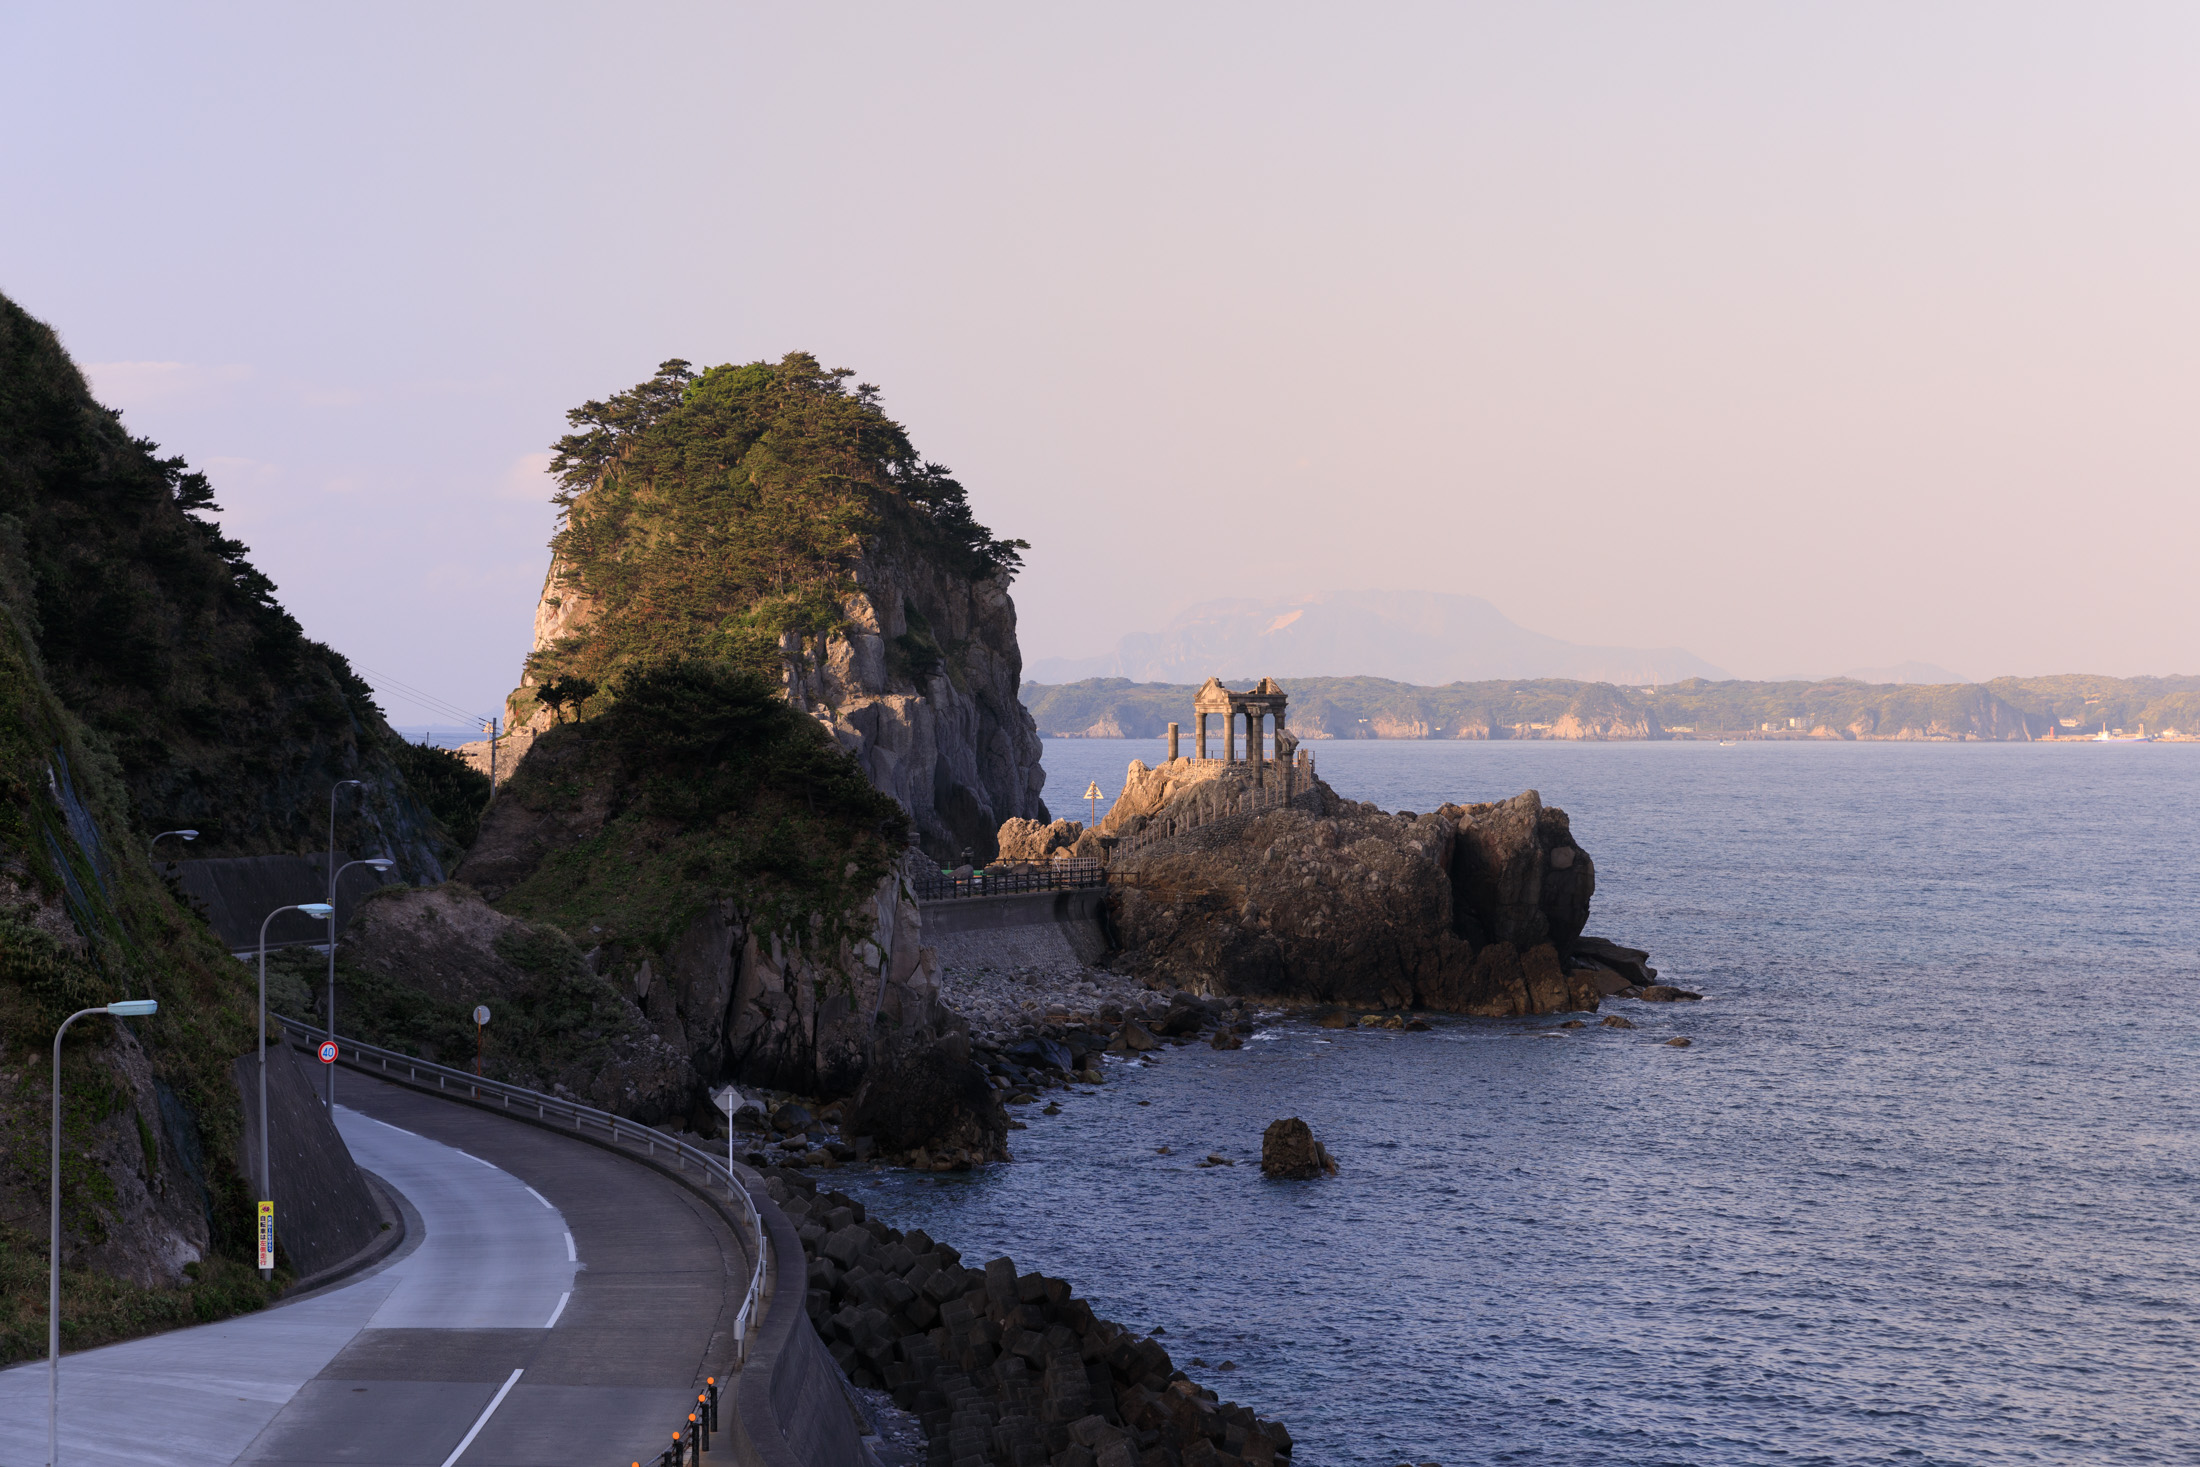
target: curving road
553 1303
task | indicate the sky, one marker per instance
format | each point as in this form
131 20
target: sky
1803 336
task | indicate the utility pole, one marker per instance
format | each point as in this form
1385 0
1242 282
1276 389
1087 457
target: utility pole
489 727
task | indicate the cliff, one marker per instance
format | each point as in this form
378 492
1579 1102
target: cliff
772 519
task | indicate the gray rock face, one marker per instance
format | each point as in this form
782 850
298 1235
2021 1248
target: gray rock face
922 692
1468 909
924 695
1289 1151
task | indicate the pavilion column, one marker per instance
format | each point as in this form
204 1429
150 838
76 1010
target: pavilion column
1172 743
1229 737
1201 736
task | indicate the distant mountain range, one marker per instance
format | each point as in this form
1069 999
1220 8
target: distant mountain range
1425 637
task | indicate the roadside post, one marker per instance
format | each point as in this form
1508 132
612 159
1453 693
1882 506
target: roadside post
128 1008
1093 797
379 863
481 1022
317 910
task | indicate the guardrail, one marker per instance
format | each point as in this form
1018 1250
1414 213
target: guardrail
647 1139
1065 875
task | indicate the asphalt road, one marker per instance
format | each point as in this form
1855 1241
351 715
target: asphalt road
554 1304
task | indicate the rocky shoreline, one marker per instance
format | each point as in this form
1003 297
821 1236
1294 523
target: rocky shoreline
999 1366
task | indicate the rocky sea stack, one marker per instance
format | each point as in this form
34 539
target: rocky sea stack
1263 882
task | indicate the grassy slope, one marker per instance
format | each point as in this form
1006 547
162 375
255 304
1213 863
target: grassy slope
1337 706
139 942
160 635
142 654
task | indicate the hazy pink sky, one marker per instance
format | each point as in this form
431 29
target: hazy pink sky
1800 336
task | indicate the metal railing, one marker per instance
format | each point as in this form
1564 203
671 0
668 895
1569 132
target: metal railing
1064 875
582 1118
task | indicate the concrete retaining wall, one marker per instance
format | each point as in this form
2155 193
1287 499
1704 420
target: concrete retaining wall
237 892
324 1211
1038 929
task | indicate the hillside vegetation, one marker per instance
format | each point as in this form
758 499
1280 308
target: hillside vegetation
708 515
1346 708
148 680
164 639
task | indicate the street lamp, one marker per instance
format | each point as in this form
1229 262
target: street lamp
267 1184
185 834
127 1009
379 863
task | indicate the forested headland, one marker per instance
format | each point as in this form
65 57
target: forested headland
2064 706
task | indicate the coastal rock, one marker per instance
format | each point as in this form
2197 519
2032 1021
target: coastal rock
922 1092
1614 1021
920 685
1663 993
1231 879
1289 1151
1037 840
1680 1043
1227 1038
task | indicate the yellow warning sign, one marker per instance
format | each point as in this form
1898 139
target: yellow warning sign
267 1235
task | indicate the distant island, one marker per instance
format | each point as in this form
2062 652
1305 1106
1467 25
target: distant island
2068 706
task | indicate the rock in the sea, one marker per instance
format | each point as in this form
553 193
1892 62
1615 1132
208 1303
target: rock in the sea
1335 1019
925 1093
1614 1021
1288 1150
1680 1043
1665 993
1462 910
1227 1038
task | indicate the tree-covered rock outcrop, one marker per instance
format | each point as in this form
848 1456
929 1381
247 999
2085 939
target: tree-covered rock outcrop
770 518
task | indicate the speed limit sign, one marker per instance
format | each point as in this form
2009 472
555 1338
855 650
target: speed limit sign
328 1051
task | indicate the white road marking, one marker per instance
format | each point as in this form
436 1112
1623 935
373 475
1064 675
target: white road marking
540 1198
498 1400
558 1311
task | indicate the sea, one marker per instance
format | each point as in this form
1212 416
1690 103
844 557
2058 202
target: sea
1921 1190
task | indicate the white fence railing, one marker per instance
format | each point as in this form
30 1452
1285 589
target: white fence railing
582 1118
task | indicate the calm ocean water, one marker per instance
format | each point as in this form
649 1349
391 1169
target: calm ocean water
1923 1190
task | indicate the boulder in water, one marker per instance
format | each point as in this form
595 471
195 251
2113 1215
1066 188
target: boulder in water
1289 1151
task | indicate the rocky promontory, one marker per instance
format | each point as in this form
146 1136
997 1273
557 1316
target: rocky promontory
1257 881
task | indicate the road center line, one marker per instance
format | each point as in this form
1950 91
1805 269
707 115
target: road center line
562 1298
496 1401
570 1255
538 1197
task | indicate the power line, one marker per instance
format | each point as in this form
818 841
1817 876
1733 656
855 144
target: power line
414 695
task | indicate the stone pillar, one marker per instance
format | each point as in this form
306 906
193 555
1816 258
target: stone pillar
1202 736
1172 743
1229 737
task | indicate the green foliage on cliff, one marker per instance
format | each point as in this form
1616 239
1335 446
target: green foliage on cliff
1366 707
454 791
707 515
704 786
84 921
160 634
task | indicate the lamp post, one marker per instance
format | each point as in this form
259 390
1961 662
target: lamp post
267 1184
156 840
127 1009
379 863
